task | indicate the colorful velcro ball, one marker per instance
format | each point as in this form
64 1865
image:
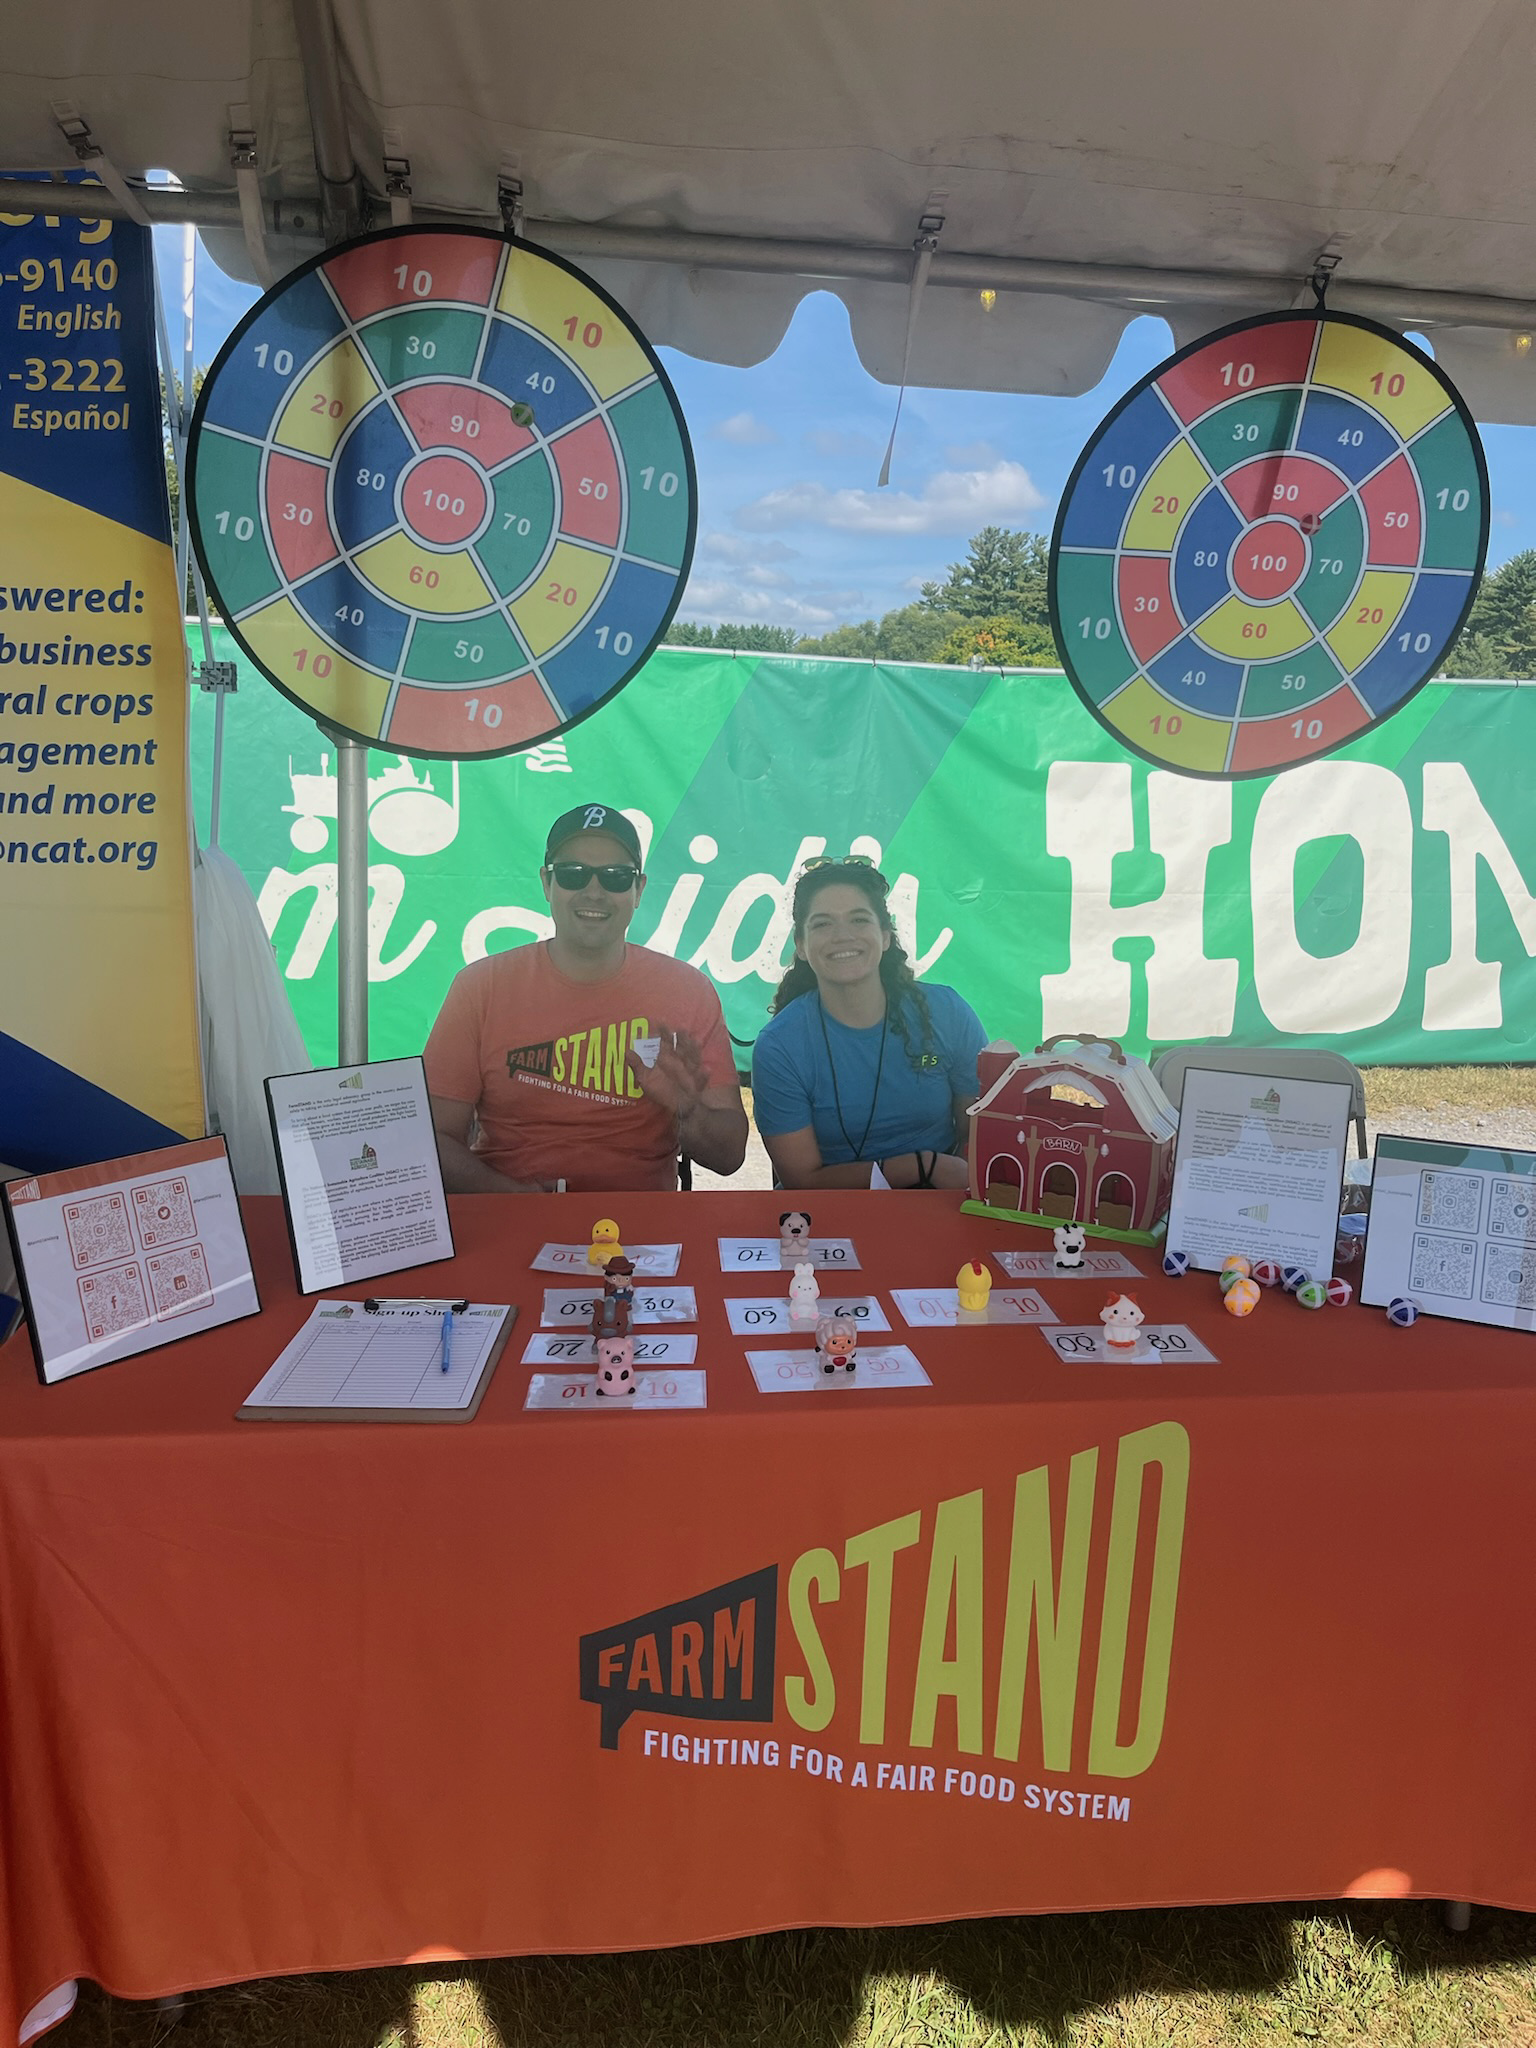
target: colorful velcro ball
1227 1279
1292 1277
1237 1264
1312 1294
1175 1264
1402 1311
1339 1292
1267 1273
1242 1297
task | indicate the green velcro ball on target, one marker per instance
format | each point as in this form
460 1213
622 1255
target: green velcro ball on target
1312 1294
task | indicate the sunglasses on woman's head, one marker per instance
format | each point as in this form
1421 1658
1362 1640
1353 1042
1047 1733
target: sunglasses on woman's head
575 874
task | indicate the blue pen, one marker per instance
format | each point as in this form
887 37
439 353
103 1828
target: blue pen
447 1338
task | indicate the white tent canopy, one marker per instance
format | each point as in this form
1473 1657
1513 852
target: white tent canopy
712 164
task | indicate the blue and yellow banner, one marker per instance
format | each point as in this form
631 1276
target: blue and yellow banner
98 992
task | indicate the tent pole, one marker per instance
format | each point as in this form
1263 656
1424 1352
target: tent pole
352 899
341 199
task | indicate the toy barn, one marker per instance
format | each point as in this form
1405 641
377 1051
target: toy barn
1079 1135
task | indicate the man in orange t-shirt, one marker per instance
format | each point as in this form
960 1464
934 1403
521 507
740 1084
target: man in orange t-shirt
554 1049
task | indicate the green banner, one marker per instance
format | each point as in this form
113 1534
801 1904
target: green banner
1375 902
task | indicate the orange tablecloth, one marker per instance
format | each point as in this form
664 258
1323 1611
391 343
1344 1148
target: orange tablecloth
284 1697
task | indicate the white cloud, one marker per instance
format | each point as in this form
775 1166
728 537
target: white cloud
718 600
732 547
744 430
954 501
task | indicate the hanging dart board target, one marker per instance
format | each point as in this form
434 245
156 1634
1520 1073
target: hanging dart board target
442 491
1269 544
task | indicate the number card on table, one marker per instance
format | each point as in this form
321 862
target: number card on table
938 1308
1453 1228
652 1261
572 1392
547 1347
128 1255
761 1254
1097 1265
799 1372
1161 1344
756 1315
566 1308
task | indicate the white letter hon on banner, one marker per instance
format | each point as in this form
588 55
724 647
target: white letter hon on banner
1363 985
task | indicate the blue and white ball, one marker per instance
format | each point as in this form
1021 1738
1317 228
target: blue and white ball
1293 1278
1402 1311
1175 1264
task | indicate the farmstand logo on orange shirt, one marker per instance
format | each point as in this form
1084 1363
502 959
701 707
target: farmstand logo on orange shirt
594 1062
1009 1700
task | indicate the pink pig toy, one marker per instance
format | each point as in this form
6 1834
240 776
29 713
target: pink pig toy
616 1375
837 1344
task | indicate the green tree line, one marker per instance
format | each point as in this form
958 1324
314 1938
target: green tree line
993 605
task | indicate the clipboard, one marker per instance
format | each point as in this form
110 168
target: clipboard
340 1410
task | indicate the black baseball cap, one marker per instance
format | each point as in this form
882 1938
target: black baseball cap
593 818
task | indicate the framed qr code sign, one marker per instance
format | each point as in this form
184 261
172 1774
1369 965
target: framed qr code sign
127 1255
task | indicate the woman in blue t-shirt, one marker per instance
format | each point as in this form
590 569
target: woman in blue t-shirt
858 1064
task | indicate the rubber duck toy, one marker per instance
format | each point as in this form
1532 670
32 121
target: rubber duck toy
973 1285
605 1243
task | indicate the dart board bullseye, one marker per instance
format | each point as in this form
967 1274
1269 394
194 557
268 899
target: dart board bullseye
442 491
1269 544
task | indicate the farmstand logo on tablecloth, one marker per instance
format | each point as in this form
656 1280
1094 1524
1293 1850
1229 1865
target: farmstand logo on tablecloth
953 1719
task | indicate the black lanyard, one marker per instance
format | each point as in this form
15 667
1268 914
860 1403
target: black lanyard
856 1150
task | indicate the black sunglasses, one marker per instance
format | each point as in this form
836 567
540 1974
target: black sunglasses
575 874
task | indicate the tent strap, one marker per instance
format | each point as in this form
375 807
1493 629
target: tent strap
929 228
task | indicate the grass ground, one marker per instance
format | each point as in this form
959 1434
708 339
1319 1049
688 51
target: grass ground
1487 1088
1357 1976
1363 1976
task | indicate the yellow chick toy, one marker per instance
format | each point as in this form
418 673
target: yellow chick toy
974 1284
605 1243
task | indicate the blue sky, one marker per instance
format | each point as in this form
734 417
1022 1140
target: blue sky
792 530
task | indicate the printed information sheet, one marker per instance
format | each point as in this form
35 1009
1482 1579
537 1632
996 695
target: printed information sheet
361 1181
126 1255
1453 1227
1258 1169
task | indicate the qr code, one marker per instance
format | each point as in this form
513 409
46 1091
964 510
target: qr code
1450 1201
1509 1276
1512 1210
98 1230
114 1301
164 1212
1443 1265
179 1281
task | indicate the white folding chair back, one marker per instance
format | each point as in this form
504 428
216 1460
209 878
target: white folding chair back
1294 1063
